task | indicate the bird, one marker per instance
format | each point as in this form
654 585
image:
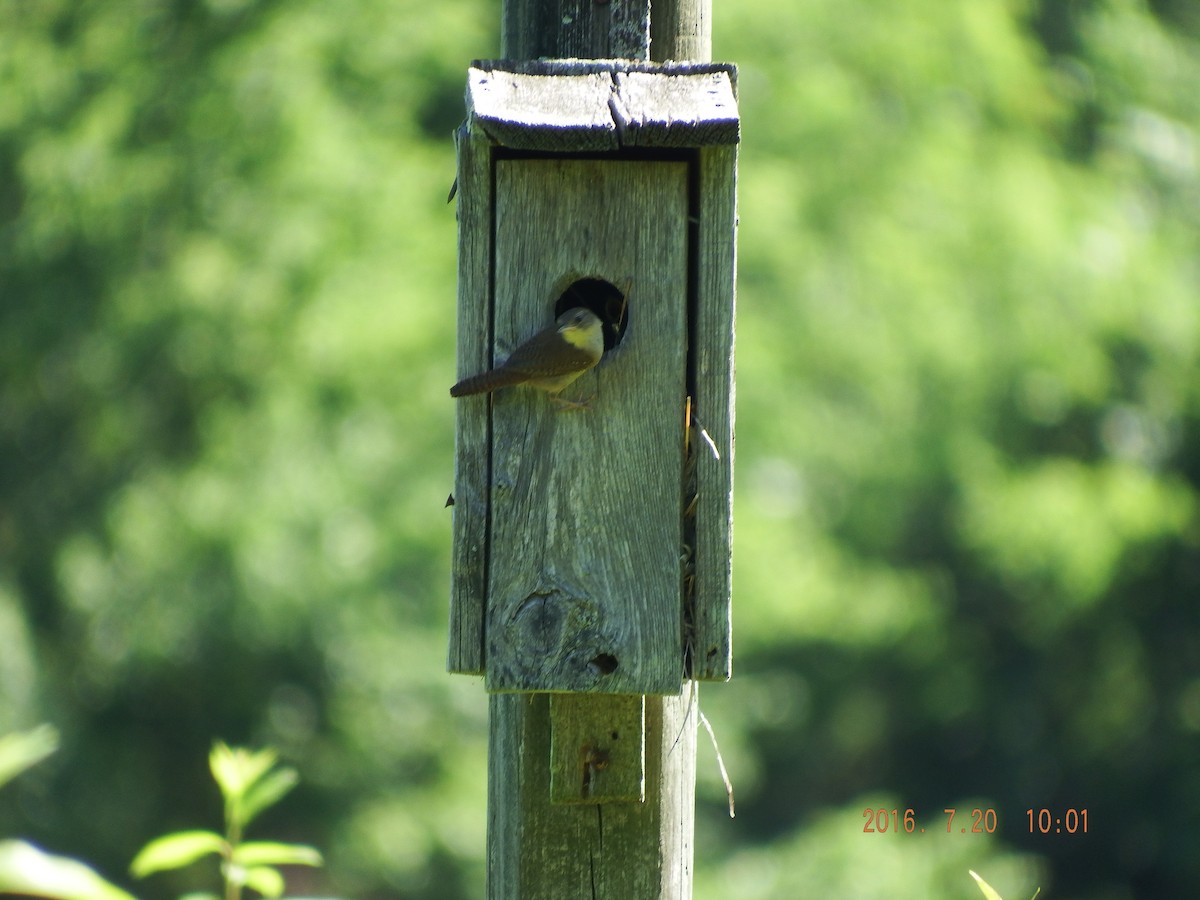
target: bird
548 361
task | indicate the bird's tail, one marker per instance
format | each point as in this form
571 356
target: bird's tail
486 382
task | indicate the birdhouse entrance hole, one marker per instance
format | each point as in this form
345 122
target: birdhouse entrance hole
605 299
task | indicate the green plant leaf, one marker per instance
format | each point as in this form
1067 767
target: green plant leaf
174 851
236 770
265 880
988 890
266 792
23 749
31 872
269 853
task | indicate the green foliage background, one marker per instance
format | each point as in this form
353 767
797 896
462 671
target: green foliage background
967 562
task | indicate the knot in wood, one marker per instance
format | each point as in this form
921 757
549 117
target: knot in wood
547 618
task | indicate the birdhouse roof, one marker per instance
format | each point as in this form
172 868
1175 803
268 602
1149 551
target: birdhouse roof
576 105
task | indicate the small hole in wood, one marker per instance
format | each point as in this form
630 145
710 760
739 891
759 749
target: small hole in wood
603 298
606 663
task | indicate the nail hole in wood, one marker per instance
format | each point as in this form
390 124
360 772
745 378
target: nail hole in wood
605 663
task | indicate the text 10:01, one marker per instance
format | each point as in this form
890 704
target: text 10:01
1072 821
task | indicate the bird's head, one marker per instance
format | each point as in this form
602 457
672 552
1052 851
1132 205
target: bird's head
582 328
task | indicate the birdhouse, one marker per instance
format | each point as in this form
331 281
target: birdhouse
592 523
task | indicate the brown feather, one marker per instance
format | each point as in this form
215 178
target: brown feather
546 355
484 382
548 360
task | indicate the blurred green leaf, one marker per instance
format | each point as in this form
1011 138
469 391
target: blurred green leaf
29 871
267 853
267 791
22 750
986 888
237 770
174 851
265 880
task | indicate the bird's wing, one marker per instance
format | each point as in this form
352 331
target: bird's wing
546 355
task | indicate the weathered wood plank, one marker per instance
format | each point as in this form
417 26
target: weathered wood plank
582 66
714 372
681 29
472 448
539 850
537 28
543 112
597 748
590 105
683 110
584 567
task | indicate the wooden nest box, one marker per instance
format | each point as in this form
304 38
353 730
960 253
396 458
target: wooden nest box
592 541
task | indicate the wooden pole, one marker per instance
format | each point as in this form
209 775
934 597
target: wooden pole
593 795
543 850
607 29
681 29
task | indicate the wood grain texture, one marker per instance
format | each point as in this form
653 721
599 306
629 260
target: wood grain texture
472 445
539 850
571 66
597 748
543 112
682 110
681 29
564 28
602 105
716 265
584 550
